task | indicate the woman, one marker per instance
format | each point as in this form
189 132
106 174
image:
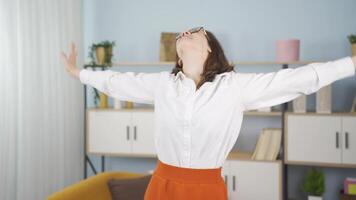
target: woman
199 108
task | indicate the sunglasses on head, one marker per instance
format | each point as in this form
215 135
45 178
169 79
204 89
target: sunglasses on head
193 30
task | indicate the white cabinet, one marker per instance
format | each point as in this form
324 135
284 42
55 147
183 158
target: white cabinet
253 180
111 132
320 139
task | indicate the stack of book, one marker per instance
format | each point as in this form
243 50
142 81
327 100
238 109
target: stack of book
268 144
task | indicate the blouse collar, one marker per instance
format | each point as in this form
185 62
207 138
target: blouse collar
181 75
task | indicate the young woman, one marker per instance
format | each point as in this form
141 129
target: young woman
199 108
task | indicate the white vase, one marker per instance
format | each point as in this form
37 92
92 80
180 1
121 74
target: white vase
315 198
117 104
264 109
300 104
323 100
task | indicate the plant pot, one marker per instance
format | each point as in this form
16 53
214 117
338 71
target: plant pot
108 55
353 47
129 104
103 100
315 197
100 55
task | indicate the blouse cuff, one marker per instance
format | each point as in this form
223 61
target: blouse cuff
334 70
84 76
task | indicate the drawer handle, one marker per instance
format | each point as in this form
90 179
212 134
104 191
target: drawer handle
346 140
135 133
337 139
127 133
233 183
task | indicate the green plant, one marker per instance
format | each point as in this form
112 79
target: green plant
106 44
352 39
314 183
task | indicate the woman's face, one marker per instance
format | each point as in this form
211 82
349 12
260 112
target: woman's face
193 44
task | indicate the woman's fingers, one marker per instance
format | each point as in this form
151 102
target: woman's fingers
64 58
73 47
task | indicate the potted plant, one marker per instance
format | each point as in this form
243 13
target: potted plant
103 52
314 184
352 39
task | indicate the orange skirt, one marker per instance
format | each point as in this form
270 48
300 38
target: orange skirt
176 183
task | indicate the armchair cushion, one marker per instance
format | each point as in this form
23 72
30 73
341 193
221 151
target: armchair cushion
133 189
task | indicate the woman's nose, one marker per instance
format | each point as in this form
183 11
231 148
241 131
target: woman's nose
185 33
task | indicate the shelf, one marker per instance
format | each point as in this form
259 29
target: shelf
170 64
246 156
320 114
148 109
263 114
126 155
319 164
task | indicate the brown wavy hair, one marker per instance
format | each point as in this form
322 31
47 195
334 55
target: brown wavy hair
216 62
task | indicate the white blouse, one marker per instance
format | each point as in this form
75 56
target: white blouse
198 128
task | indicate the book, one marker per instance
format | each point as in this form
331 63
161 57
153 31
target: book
268 144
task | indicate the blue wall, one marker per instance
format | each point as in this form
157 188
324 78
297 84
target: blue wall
247 31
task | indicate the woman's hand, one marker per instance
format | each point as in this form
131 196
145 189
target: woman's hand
354 59
70 61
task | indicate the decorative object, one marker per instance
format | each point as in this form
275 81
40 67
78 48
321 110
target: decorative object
323 99
314 184
168 50
352 39
129 104
299 104
103 100
353 107
350 186
117 104
287 50
103 52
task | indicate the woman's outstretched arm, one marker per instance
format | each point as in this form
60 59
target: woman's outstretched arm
259 90
125 86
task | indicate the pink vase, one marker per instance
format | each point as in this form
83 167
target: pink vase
287 50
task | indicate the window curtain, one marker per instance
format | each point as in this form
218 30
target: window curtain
41 105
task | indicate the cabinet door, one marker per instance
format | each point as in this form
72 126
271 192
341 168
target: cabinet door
108 132
349 139
313 138
143 133
255 180
225 173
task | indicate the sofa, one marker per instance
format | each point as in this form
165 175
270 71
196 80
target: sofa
94 187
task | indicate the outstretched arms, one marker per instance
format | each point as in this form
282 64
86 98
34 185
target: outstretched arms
260 90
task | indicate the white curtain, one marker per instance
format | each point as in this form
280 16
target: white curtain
41 106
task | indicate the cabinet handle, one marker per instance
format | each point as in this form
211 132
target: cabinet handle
134 132
337 139
346 140
127 132
233 183
226 180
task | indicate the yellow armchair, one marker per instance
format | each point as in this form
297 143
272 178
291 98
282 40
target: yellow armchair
92 188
